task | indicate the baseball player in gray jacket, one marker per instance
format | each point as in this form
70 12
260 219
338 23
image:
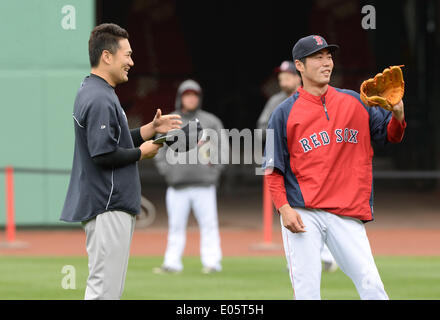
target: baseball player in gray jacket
192 186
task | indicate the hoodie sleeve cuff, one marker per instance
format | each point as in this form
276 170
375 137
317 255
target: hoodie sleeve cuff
396 130
277 189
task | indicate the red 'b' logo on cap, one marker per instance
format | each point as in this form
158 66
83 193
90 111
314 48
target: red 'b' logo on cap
318 40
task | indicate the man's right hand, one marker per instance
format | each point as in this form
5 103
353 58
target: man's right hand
291 219
149 149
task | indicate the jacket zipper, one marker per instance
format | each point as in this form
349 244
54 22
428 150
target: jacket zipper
325 108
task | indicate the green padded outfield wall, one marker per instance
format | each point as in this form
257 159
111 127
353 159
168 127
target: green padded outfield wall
43 59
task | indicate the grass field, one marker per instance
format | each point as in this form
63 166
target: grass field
244 278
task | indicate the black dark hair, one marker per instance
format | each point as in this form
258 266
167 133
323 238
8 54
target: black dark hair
104 37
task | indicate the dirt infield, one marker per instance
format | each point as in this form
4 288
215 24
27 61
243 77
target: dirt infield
235 242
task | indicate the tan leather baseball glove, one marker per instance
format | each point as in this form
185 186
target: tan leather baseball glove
385 90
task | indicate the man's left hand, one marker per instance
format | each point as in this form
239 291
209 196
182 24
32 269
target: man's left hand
163 124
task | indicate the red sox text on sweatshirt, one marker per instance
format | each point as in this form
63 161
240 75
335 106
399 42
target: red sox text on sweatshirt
321 154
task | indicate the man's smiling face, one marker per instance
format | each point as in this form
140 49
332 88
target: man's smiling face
121 62
318 67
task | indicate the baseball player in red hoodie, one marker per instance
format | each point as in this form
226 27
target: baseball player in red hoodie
319 168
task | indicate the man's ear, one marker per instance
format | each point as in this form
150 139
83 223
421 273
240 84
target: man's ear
106 57
299 65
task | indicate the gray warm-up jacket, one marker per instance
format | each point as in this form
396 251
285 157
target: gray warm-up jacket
198 174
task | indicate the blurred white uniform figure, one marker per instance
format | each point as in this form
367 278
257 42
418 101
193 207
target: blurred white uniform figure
192 186
289 81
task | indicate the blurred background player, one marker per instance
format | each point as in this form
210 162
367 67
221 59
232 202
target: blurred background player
192 186
289 81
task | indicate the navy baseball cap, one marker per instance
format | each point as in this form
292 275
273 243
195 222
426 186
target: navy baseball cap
308 45
286 66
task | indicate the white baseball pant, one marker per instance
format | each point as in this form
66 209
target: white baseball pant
203 201
108 246
326 255
347 240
